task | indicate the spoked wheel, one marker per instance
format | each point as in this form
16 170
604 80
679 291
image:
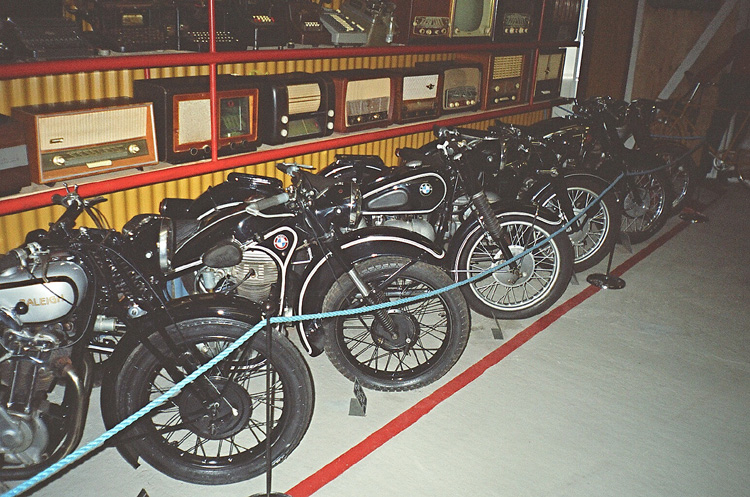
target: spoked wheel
214 431
429 335
598 229
540 279
682 171
646 205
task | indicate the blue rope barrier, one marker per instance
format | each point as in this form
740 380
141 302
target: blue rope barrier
174 390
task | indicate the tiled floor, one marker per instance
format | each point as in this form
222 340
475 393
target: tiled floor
643 391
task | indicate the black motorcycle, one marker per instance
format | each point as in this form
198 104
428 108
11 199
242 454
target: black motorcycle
530 167
251 237
438 192
70 293
645 191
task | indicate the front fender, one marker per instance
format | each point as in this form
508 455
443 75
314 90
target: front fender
503 207
216 305
357 245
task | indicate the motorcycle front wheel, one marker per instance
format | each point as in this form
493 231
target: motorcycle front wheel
682 170
541 277
430 334
214 431
599 226
646 205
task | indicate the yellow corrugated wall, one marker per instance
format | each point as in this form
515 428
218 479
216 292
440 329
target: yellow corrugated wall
123 205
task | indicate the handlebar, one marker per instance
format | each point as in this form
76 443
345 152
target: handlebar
262 204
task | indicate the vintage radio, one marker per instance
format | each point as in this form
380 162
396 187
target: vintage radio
14 160
77 139
252 22
303 21
461 85
296 106
364 99
44 38
549 71
416 94
436 21
560 20
505 77
517 20
182 112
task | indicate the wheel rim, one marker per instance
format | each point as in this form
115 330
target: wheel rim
596 222
641 216
423 329
218 437
543 266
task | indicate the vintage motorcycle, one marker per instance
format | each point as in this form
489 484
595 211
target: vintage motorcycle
438 192
252 237
646 198
532 168
70 290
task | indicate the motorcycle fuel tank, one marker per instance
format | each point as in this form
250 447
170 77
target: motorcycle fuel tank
49 294
405 191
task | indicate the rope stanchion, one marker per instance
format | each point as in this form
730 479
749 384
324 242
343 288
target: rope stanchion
174 390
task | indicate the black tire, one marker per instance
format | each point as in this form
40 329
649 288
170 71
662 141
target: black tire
599 226
433 332
683 173
546 271
186 449
646 212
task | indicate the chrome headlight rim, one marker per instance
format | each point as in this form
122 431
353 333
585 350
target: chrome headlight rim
165 244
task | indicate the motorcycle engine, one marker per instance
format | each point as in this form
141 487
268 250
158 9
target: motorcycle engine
252 278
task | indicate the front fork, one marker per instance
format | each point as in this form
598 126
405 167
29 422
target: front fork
489 222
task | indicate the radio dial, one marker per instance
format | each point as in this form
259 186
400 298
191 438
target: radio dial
497 88
58 160
331 113
134 149
284 119
284 132
330 126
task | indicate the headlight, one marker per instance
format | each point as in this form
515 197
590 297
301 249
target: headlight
355 206
340 204
165 244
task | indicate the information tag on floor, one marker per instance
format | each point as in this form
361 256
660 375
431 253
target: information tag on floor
358 404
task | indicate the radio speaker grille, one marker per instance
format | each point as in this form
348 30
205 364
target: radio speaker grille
507 66
105 126
303 98
420 87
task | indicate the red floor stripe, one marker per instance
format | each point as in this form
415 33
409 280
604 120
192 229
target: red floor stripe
403 421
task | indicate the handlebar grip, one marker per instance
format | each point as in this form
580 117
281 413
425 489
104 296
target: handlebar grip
57 199
265 203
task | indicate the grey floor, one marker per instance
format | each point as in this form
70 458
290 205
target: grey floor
643 391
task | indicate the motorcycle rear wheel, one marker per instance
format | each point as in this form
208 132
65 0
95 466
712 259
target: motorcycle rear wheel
545 272
226 441
593 242
432 332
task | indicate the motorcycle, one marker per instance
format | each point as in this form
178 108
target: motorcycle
646 198
252 237
73 292
437 192
531 167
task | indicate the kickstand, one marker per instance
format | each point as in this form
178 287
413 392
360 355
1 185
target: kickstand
498 331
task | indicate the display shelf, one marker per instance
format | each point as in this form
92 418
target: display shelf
174 58
40 195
